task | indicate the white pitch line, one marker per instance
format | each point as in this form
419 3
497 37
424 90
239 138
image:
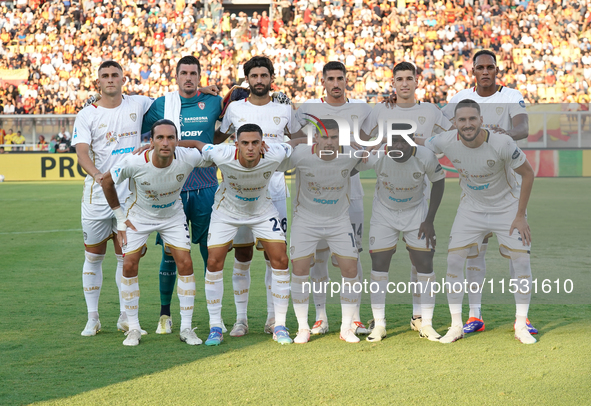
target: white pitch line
40 231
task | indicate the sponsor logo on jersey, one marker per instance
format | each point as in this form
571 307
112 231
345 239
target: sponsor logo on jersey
384 174
490 163
121 151
345 173
408 199
248 199
314 187
201 105
208 147
417 175
478 187
516 153
422 120
117 172
457 161
267 175
198 119
389 187
276 120
486 175
232 177
152 194
500 110
145 183
180 177
133 117
311 175
163 206
324 201
170 194
522 103
75 132
191 133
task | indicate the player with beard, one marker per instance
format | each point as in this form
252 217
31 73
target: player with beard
275 120
503 111
491 202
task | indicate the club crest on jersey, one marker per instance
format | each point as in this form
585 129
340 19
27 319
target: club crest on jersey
490 163
276 120
267 175
201 105
180 177
372 240
500 110
133 117
345 173
311 175
417 175
422 120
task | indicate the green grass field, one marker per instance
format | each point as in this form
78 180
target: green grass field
44 359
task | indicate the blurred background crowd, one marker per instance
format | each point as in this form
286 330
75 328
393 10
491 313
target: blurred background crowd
50 51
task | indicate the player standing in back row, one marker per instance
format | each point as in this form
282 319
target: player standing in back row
503 110
275 120
104 133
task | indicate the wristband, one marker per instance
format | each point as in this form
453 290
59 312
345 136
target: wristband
121 219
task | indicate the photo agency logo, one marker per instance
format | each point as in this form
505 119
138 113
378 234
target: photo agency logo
325 124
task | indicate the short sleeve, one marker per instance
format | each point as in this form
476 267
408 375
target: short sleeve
82 133
433 144
192 156
433 168
123 170
371 122
227 120
513 154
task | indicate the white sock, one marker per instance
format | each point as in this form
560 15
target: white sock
130 294
359 278
379 282
455 295
522 270
319 278
92 281
241 285
427 297
300 297
118 275
269 284
280 289
475 273
186 293
416 297
349 302
214 292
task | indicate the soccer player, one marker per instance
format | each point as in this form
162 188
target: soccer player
428 119
275 120
490 202
104 133
156 179
320 213
194 114
400 209
334 80
242 200
503 110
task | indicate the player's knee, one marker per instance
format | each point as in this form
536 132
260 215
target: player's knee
521 264
243 254
423 262
184 265
130 269
455 263
214 264
381 261
280 261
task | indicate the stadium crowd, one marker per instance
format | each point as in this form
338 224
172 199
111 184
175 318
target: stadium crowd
543 46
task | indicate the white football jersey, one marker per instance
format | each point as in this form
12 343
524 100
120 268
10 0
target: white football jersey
155 192
351 110
427 117
400 185
111 135
496 110
274 119
322 189
243 192
486 175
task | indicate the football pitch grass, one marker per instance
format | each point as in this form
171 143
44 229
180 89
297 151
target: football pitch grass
44 359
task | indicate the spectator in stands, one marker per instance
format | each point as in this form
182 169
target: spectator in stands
42 145
18 139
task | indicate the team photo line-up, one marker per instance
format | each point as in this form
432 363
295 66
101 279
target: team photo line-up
171 187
